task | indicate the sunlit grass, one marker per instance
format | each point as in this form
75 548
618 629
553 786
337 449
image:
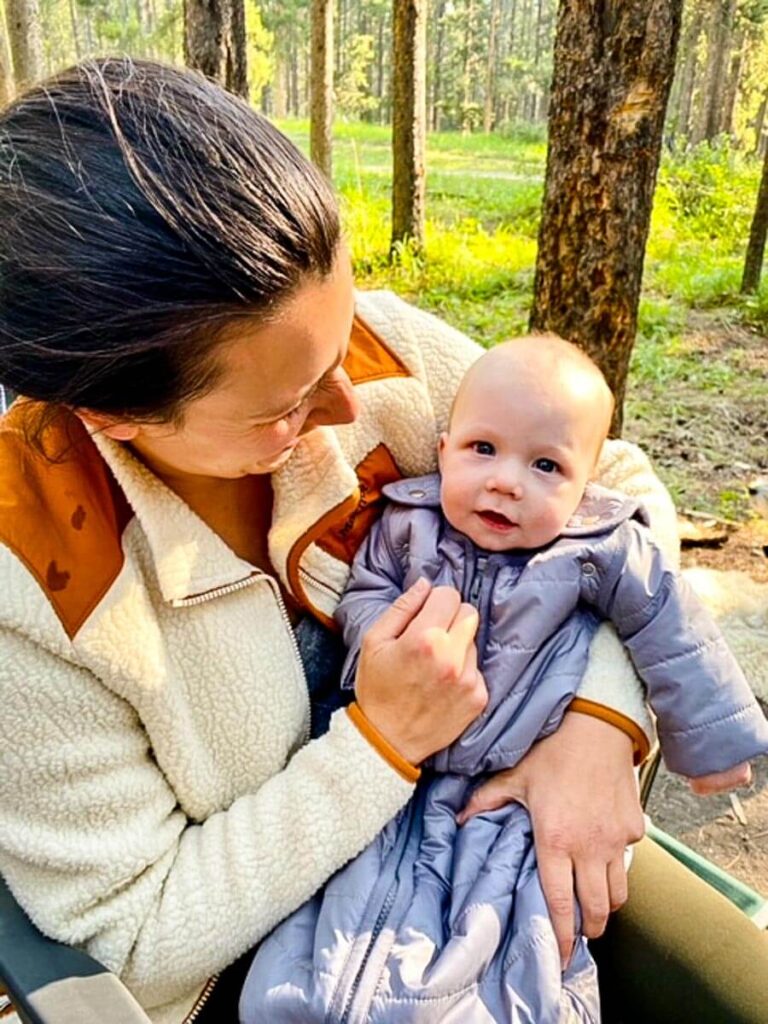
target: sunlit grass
483 207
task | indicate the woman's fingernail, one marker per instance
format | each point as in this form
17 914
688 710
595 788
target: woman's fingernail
421 584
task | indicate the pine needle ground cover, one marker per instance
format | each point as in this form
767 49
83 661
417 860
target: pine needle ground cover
698 391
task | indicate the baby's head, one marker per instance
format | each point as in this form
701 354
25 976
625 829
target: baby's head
525 432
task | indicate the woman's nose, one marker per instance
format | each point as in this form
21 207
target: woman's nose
337 404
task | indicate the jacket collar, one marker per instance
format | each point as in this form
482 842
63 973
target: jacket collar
600 509
189 558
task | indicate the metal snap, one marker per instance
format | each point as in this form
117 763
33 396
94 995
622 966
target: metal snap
589 569
417 493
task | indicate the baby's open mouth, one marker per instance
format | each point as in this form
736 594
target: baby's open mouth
496 520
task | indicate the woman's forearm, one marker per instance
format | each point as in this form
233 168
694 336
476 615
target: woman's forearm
98 851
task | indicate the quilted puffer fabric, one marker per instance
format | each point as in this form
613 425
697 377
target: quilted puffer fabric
433 922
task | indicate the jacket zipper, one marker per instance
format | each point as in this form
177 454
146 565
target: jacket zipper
378 927
477 579
415 809
231 588
210 595
202 999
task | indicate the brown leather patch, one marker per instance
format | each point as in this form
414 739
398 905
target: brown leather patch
63 516
376 470
369 357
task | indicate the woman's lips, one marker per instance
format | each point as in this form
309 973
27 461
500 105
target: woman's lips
497 521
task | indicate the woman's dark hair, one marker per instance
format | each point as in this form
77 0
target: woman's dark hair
142 208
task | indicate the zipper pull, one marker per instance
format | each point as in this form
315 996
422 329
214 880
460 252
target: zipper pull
477 579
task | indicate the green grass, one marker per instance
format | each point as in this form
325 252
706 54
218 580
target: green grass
483 202
690 398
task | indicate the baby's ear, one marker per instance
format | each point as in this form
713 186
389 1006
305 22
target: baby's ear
443 440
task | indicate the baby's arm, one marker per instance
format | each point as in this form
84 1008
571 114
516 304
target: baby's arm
721 782
709 722
376 580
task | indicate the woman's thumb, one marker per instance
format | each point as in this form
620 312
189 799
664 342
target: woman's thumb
499 790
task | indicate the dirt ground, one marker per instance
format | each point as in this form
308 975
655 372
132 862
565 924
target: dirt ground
709 446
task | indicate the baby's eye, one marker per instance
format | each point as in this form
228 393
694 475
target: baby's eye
546 465
483 448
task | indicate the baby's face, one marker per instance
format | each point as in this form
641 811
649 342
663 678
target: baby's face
516 460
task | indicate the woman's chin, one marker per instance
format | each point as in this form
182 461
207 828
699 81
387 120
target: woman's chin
277 461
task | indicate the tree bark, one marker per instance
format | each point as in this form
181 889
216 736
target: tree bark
466 73
435 120
759 125
6 75
688 74
719 46
408 122
614 63
731 89
321 86
25 40
489 100
214 42
753 263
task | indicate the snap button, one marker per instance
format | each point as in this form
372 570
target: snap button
589 569
417 493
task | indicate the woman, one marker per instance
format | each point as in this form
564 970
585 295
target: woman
177 515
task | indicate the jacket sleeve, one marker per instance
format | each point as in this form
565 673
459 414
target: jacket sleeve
375 581
95 847
610 688
707 717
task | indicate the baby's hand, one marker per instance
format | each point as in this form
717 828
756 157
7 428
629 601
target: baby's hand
721 782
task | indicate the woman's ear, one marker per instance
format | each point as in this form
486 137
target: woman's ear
101 423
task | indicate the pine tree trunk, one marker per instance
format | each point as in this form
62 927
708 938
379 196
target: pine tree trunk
730 92
718 50
6 77
614 64
466 72
759 125
380 70
435 119
214 41
753 263
409 25
75 28
489 100
688 75
321 85
26 44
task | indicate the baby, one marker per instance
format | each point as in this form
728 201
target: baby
437 921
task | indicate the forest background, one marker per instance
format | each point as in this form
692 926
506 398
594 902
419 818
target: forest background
697 396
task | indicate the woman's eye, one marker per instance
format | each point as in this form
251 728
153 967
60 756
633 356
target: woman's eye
483 448
546 465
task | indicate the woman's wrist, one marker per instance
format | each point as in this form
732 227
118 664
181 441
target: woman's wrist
405 768
641 748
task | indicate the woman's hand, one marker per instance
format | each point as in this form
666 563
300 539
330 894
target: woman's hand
580 790
417 679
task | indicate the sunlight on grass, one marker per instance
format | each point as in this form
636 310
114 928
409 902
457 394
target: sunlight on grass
483 204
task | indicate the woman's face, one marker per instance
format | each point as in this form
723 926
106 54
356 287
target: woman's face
280 380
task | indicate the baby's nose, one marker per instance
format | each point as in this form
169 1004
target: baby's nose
508 482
